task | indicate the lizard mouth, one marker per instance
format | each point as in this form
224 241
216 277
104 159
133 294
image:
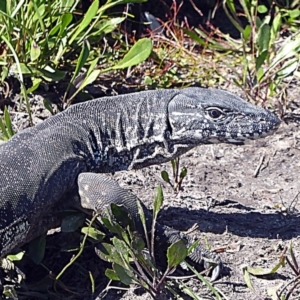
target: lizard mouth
241 139
217 140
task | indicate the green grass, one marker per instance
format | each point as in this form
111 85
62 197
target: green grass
46 40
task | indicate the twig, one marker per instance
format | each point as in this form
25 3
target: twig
192 229
257 170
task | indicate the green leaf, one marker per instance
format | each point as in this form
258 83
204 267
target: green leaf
39 13
87 19
193 246
36 249
112 226
176 253
158 200
183 173
246 4
141 214
188 290
107 26
35 84
4 135
89 79
258 22
84 54
72 222
247 32
247 279
66 19
231 5
193 35
16 257
23 67
148 80
104 251
139 52
93 233
291 251
262 9
291 47
111 274
262 272
53 31
263 38
125 275
8 123
260 73
3 6
4 73
261 59
294 13
165 176
35 51
275 28
92 66
122 216
137 243
173 163
205 281
122 249
109 253
116 253
276 24
146 261
66 4
232 16
108 224
288 68
48 105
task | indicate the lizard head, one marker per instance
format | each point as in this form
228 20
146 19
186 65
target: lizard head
207 116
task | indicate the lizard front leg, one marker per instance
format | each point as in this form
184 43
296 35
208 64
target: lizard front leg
97 192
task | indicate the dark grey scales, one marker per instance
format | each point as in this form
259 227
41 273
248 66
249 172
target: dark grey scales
42 164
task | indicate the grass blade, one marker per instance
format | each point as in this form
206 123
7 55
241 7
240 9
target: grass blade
87 19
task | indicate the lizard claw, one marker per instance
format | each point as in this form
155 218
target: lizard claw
199 255
216 271
209 259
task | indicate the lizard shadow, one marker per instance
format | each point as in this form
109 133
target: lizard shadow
246 223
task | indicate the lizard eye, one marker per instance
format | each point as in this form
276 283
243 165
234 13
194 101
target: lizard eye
214 113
